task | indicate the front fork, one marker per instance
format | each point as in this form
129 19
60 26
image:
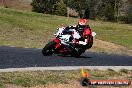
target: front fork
57 41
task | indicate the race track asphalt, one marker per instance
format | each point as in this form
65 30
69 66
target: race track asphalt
13 57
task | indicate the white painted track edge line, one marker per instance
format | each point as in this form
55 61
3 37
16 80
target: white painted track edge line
116 68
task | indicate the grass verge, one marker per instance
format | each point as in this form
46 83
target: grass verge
33 30
37 78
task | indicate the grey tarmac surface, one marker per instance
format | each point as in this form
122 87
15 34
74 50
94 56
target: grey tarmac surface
13 57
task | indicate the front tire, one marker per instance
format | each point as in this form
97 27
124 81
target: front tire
49 49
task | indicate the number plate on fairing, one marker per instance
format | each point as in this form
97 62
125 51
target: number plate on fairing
65 38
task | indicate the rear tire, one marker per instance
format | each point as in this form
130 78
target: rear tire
49 49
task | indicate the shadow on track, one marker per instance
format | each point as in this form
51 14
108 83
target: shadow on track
74 57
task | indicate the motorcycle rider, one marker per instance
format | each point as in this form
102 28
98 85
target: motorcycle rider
71 40
78 34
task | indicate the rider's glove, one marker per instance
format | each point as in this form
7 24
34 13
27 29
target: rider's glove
76 41
82 43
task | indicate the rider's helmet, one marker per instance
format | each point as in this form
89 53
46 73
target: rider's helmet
82 24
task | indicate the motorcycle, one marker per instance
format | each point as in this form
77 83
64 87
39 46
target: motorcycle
62 45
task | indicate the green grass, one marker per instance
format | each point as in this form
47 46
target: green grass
114 32
31 79
28 79
1 85
29 29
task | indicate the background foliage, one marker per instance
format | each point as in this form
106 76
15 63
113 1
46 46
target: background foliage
108 10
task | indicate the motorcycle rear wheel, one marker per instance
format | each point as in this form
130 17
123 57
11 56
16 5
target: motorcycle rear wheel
49 49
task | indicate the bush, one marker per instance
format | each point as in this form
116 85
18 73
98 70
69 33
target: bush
36 6
43 6
122 19
125 19
129 17
51 7
61 8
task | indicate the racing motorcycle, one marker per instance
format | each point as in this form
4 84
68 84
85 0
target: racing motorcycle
62 45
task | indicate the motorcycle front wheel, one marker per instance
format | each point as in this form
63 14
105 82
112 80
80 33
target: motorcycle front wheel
49 49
